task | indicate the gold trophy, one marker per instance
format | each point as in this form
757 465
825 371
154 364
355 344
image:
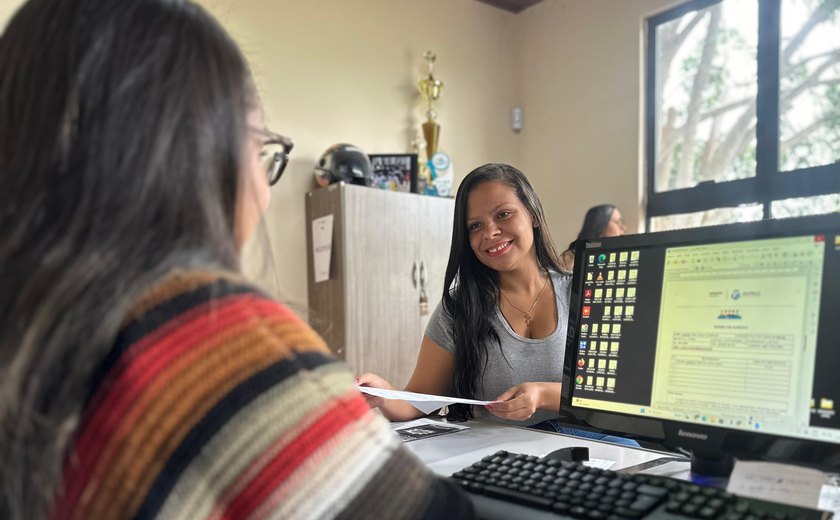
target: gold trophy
430 90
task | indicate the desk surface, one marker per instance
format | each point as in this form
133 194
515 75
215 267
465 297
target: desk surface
449 453
446 454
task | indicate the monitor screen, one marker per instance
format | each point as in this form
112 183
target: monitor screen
704 332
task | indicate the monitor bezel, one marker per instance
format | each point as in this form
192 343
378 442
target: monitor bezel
706 441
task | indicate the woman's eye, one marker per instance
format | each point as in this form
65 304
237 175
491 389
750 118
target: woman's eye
473 226
504 214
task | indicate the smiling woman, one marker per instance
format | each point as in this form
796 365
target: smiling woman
499 333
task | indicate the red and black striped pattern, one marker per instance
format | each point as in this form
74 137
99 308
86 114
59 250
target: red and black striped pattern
217 402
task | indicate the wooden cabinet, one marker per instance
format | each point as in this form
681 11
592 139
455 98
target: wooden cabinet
385 245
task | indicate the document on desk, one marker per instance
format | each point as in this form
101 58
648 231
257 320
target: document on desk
423 428
426 403
777 482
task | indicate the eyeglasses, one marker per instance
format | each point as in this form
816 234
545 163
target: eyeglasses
275 155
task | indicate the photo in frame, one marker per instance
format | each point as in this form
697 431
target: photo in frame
395 172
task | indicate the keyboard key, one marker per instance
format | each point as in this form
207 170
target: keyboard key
644 503
561 507
647 489
518 496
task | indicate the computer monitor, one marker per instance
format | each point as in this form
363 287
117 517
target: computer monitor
723 341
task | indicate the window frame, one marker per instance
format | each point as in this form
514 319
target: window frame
768 184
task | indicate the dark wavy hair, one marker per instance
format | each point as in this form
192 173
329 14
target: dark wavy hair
122 128
470 288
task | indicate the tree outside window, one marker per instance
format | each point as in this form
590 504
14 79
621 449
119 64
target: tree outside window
743 111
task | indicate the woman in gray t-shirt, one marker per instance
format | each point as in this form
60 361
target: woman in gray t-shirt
500 331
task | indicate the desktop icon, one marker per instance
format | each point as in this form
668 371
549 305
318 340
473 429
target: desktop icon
826 404
587 293
602 258
584 328
579 380
583 345
586 310
581 362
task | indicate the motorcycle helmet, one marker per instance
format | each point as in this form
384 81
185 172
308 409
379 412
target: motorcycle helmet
343 162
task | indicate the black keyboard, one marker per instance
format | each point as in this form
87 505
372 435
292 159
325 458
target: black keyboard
510 485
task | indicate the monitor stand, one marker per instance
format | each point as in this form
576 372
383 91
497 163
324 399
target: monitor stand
712 464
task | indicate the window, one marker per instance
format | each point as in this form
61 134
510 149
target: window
742 111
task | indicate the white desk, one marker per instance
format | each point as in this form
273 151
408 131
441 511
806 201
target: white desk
446 454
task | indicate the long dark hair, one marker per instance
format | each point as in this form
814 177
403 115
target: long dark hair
475 287
594 222
122 128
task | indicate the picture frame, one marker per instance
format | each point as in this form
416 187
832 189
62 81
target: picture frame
395 171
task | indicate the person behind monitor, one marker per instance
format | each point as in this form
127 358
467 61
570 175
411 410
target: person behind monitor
500 331
141 376
604 220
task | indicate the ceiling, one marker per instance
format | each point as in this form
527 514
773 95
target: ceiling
514 6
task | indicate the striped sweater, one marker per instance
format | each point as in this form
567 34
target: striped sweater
217 402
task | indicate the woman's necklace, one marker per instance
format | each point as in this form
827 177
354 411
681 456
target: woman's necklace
527 314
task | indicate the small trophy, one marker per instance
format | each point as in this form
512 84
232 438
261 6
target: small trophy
430 90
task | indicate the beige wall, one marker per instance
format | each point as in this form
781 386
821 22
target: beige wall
344 71
581 90
335 71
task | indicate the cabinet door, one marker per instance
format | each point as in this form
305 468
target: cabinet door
435 240
382 303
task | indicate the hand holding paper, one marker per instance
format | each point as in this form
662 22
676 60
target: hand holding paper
426 403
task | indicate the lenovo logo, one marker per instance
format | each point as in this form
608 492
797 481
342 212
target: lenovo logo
692 435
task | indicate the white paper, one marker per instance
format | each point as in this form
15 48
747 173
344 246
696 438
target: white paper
669 468
423 422
426 403
322 232
599 463
830 499
783 483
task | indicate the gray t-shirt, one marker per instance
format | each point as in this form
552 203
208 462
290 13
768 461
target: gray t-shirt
525 359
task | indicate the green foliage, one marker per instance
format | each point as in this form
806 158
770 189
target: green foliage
744 165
